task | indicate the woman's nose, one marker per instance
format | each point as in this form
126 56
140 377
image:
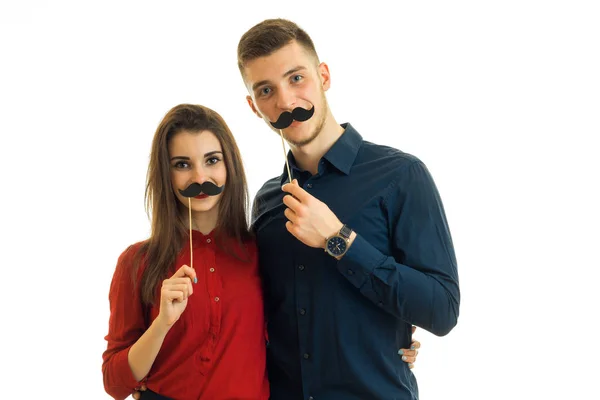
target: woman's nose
199 175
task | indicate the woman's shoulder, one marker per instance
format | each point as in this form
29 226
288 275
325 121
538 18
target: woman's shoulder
130 257
132 251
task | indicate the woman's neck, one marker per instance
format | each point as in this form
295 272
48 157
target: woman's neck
205 221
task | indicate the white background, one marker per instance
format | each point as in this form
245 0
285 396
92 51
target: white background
500 99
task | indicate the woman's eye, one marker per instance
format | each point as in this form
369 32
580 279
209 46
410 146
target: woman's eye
181 165
213 160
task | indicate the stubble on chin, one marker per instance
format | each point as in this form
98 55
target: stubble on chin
315 133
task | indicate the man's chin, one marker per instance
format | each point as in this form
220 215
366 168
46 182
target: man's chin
300 140
299 133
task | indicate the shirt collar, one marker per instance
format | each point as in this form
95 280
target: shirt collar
343 152
341 155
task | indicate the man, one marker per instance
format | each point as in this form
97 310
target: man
354 251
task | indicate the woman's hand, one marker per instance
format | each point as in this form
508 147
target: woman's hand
174 295
410 355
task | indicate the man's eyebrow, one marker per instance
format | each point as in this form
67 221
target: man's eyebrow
288 73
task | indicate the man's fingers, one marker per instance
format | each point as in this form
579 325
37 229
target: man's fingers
290 215
295 190
292 203
293 229
138 393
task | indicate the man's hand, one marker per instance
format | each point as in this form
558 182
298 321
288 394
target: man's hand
309 219
137 395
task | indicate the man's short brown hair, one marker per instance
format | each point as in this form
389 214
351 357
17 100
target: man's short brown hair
268 36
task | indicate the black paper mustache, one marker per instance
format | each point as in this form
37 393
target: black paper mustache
207 188
298 114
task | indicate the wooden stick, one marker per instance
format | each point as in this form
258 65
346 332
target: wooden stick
190 217
285 156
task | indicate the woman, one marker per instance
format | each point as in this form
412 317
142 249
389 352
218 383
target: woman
189 323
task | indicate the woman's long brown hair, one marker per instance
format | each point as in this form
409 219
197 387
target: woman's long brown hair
168 216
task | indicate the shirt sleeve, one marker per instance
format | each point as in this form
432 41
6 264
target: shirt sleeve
126 326
418 282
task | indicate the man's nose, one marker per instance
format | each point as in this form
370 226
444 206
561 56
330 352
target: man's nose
286 100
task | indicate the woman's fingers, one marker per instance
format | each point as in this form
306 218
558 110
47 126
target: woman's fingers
179 284
409 356
186 271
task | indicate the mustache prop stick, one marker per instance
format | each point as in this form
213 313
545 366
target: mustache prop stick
193 190
285 119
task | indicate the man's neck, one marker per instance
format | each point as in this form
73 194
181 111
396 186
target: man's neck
308 156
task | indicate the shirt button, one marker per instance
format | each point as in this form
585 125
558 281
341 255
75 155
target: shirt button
301 267
309 185
302 311
350 272
311 398
306 356
208 240
217 299
212 270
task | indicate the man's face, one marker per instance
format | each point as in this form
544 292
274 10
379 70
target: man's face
284 80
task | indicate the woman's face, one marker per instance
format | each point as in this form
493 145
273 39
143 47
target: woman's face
197 157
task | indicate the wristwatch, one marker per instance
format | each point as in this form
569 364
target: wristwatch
337 245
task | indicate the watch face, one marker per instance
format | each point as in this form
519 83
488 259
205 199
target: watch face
336 245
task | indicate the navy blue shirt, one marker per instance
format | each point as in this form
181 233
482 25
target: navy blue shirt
335 327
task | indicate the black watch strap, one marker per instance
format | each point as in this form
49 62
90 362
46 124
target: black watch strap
345 232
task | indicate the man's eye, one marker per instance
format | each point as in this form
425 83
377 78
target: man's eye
297 78
265 91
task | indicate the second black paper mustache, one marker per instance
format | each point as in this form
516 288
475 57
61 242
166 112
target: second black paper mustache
207 188
298 114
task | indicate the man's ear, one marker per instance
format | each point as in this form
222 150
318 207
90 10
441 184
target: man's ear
252 107
325 76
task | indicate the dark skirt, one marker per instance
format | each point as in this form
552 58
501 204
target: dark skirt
150 395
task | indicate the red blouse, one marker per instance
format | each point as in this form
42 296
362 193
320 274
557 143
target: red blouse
216 350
